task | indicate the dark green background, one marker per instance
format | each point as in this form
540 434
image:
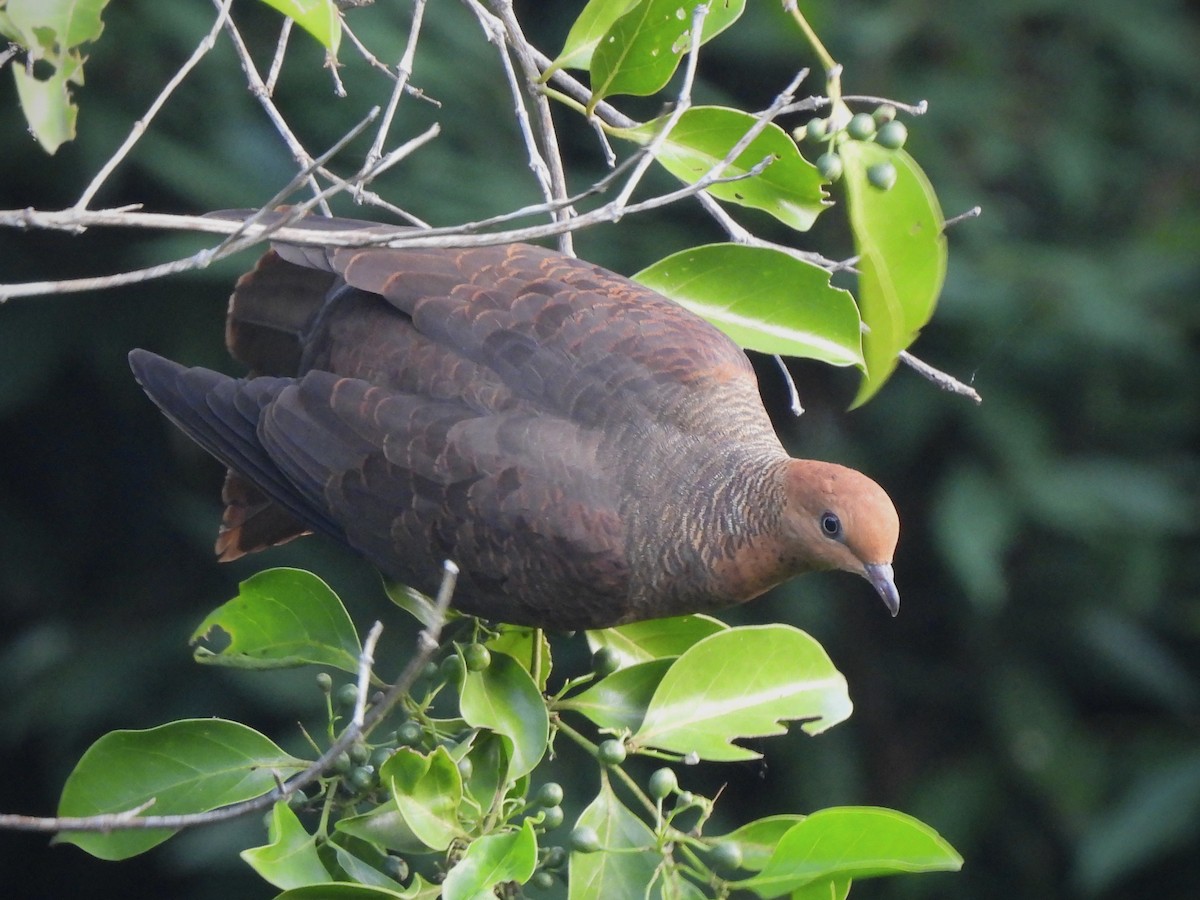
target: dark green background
1037 701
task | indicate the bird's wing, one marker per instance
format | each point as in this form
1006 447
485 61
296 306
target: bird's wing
516 500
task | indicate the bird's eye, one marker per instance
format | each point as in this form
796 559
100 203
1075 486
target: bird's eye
831 525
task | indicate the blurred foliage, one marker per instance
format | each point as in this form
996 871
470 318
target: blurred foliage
1038 700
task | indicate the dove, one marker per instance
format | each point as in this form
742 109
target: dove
587 451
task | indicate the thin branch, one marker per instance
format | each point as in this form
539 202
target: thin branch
280 50
363 722
403 73
525 55
139 127
259 89
937 376
973 213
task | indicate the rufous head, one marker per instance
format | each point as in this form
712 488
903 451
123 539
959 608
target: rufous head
840 519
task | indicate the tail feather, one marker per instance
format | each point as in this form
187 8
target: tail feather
221 415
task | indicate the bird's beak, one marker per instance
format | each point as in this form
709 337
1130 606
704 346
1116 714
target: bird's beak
884 580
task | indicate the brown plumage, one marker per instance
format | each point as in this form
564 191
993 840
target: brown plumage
587 451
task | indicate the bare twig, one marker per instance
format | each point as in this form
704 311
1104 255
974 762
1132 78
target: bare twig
280 51
973 213
937 376
364 720
259 89
403 73
139 127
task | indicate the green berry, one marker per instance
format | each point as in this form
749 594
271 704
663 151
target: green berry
465 768
892 136
297 800
324 682
347 695
830 166
395 867
584 839
554 858
861 127
477 657
552 817
453 669
379 756
359 754
542 880
727 856
605 661
342 763
551 794
409 734
816 130
662 783
362 778
884 114
882 175
611 752
429 671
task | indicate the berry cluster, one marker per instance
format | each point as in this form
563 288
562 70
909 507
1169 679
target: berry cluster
881 126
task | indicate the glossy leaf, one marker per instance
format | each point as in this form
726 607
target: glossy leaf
756 840
590 26
384 827
851 842
519 643
189 766
504 699
290 858
418 890
899 239
790 188
280 618
318 17
361 860
492 860
640 642
641 50
607 874
427 791
764 299
828 889
619 701
743 682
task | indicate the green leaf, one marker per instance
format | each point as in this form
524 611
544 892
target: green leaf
427 791
519 643
490 756
757 840
281 617
832 889
764 299
851 842
590 26
416 604
189 766
790 188
619 701
492 860
344 891
362 861
318 17
605 873
385 827
743 682
640 52
290 858
504 699
898 235
51 31
655 638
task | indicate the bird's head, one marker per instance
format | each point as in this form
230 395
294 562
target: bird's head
838 518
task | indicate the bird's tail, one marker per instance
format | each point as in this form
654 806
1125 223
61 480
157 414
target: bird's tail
269 311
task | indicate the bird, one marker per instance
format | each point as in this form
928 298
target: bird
587 451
